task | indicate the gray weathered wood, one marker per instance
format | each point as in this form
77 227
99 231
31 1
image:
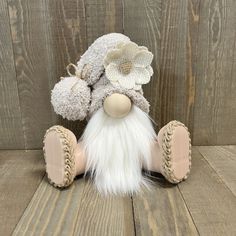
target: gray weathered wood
106 215
230 148
20 174
47 35
215 110
162 211
223 161
28 26
11 132
211 203
193 43
103 17
175 82
203 204
51 211
77 210
194 7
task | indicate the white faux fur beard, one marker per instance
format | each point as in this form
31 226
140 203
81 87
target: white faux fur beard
116 150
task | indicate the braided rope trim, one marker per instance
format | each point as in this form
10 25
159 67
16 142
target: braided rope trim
69 161
168 171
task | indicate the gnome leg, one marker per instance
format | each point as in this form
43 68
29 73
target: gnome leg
171 155
63 156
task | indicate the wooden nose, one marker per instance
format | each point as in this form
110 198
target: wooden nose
117 105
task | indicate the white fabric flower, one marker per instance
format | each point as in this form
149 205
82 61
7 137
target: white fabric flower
128 65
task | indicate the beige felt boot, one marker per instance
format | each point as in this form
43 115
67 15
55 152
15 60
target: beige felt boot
63 156
171 155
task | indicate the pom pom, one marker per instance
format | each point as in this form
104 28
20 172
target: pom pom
70 98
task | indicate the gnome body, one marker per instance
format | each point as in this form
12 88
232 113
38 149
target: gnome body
119 140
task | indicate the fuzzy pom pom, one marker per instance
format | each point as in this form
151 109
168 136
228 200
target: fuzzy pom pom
70 98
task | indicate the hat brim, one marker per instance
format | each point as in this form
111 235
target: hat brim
99 95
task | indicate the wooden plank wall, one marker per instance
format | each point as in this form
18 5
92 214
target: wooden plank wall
11 132
195 61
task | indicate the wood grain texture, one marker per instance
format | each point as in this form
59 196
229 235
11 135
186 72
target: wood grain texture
77 210
106 215
103 17
162 211
162 26
51 211
46 35
11 131
28 22
194 48
230 148
215 109
202 205
194 8
223 161
20 174
211 203
175 83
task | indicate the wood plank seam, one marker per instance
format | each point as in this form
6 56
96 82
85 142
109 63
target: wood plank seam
85 14
222 180
123 18
77 216
14 64
234 56
181 194
133 214
23 212
215 95
10 118
212 213
192 72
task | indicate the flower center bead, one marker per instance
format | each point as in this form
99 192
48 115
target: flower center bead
125 67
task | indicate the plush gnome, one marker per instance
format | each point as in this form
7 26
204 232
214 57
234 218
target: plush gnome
119 140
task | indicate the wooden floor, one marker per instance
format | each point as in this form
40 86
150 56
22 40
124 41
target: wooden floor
205 204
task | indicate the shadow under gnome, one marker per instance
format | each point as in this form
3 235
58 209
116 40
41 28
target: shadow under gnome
119 140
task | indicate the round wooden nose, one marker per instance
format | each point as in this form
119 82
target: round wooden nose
117 105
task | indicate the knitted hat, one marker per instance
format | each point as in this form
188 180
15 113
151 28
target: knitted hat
112 64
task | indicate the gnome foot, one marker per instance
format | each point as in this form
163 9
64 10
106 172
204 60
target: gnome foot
63 156
171 156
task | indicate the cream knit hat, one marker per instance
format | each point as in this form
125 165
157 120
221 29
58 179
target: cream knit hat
112 64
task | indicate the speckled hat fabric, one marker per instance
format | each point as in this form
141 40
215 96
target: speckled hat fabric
92 60
112 64
104 89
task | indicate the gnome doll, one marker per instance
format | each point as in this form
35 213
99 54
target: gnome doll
119 140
